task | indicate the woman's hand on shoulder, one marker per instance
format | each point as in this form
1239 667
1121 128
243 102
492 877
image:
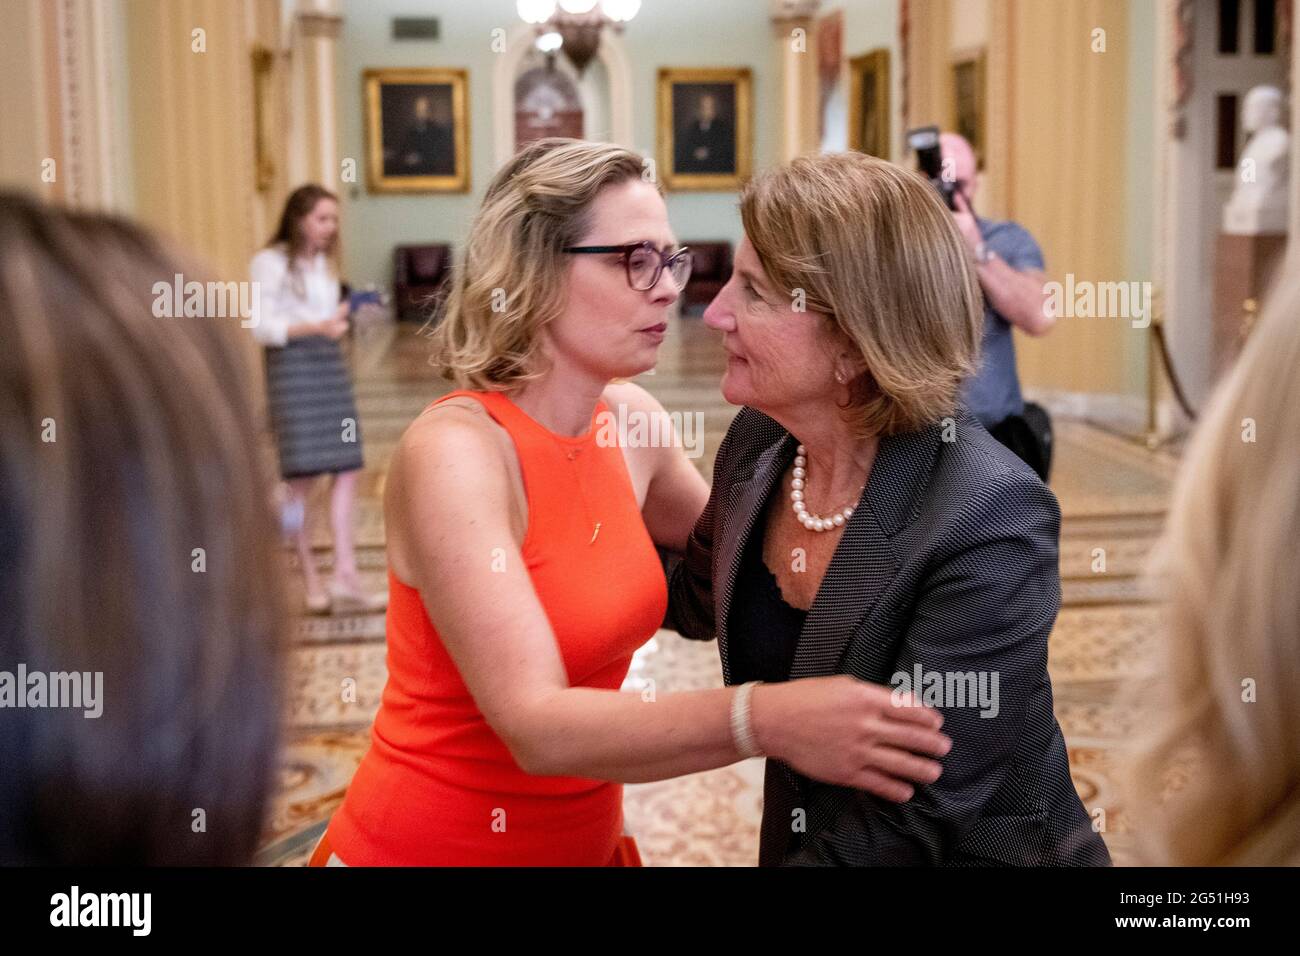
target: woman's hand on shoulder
850 733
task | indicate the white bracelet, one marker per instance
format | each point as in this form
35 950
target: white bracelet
742 730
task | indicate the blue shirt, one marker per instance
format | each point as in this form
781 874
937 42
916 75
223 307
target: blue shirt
993 392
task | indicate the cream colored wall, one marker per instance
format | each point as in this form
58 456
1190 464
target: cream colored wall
134 118
25 134
1067 183
970 25
929 46
138 122
192 124
1056 158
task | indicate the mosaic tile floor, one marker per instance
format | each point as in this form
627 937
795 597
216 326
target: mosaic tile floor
1112 495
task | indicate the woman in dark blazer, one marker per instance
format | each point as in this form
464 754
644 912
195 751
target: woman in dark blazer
861 523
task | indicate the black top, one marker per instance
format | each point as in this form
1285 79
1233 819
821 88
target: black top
766 629
950 565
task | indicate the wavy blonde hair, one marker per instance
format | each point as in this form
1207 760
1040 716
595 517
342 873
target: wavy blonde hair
1228 565
511 279
872 245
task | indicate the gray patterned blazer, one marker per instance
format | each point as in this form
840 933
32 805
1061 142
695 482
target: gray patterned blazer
946 571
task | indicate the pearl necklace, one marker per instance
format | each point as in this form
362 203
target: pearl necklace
806 518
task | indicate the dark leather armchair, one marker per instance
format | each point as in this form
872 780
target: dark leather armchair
709 273
420 274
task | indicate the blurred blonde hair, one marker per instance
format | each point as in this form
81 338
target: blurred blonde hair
871 244
1229 567
511 280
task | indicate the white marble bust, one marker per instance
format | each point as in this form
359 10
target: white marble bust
1259 202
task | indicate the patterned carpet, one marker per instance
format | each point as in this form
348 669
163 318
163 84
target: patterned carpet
1112 495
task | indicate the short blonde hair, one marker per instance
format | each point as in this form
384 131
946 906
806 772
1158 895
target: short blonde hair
871 244
510 281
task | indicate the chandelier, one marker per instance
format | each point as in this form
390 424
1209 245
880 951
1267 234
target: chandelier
575 25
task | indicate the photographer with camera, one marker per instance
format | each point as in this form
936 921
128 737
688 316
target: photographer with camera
1010 269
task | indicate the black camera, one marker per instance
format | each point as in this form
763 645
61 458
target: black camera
925 140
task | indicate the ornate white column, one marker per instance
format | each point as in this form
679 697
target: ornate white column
313 114
796 59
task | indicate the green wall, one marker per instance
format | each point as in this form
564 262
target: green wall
724 33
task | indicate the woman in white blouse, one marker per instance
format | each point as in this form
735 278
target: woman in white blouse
300 321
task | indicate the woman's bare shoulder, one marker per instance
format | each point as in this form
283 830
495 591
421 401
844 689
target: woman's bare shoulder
450 475
632 396
459 426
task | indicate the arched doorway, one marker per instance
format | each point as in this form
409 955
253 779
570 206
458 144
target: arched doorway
546 104
605 90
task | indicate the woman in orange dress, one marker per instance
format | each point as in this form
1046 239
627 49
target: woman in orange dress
522 565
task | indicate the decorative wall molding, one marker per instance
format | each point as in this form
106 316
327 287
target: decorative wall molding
325 25
793 9
1119 411
72 91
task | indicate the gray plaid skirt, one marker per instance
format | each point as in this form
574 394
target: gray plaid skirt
313 413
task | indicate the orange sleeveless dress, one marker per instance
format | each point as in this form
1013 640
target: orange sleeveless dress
438 787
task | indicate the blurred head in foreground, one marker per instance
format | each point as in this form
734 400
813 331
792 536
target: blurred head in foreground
141 614
1217 781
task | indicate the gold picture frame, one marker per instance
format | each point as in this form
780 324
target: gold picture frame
263 130
968 102
706 152
870 121
427 148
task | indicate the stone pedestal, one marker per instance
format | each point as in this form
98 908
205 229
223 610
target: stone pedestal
1243 268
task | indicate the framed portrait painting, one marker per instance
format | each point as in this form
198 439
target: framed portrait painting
969 100
417 130
870 131
705 137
